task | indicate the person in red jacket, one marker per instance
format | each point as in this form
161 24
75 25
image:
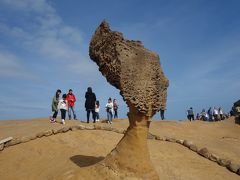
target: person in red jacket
71 100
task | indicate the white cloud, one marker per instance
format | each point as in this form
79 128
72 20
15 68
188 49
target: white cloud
10 66
47 36
39 6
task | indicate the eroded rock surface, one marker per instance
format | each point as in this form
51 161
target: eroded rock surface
131 68
136 72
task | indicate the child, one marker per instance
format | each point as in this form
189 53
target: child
109 109
63 106
55 101
97 108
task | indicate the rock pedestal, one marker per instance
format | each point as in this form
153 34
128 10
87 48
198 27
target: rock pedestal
136 72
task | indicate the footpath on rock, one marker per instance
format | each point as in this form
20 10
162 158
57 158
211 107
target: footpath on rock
209 148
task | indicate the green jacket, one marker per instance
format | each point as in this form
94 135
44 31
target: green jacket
55 101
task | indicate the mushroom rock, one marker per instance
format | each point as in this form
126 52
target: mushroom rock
137 73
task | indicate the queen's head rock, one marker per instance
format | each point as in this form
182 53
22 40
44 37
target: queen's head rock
131 68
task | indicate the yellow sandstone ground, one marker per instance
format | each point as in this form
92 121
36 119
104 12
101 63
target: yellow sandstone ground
49 157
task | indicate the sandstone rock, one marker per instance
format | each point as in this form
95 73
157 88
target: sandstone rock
55 131
224 162
160 138
238 172
64 129
120 131
5 140
73 128
40 134
170 139
150 136
25 139
48 133
14 141
32 137
204 152
187 143
80 127
89 127
1 147
97 127
137 73
180 141
77 127
214 157
233 167
122 62
193 147
107 128
104 121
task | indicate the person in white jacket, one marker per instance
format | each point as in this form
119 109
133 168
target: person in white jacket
63 107
109 109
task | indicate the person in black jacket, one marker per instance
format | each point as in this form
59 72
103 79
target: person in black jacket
90 104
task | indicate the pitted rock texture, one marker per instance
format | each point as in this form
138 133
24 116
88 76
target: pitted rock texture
131 68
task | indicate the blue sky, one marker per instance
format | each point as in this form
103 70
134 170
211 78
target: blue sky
44 46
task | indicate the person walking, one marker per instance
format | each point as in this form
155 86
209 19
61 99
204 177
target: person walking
90 104
115 108
109 109
215 114
97 109
204 115
210 114
220 110
55 101
71 99
162 110
63 107
190 114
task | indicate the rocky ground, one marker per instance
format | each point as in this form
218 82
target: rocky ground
52 152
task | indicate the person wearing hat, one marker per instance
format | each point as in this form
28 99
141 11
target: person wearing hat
71 99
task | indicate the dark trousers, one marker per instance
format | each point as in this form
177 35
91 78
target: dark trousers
63 113
162 114
55 114
115 114
93 115
215 117
191 117
97 115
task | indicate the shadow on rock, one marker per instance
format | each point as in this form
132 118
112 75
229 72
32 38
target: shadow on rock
84 161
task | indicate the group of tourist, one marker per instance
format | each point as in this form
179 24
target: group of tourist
212 114
92 106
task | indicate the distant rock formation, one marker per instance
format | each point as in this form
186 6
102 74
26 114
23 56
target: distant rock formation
136 72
